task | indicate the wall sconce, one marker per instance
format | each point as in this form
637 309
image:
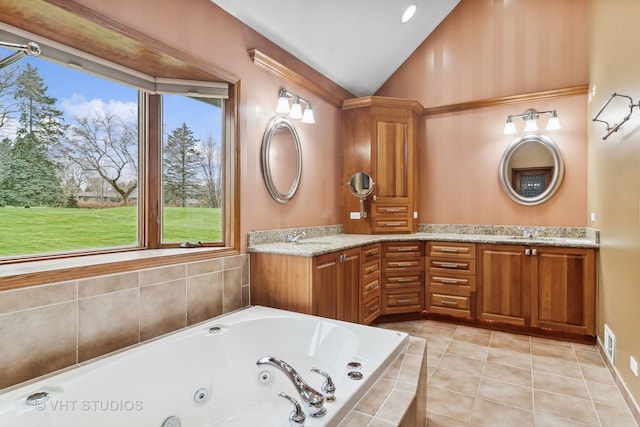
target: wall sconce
531 121
295 110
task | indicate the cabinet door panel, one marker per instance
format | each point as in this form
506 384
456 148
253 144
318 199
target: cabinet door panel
505 283
349 290
391 161
325 291
563 294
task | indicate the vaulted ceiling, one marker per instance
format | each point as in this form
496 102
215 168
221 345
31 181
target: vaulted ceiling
356 43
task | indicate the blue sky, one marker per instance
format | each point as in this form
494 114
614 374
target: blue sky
79 93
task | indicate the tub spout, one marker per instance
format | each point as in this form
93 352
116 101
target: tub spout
312 400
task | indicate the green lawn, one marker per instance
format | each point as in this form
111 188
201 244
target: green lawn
38 230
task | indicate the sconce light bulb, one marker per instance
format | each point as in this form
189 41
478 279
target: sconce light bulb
296 110
307 116
509 127
283 105
553 123
531 126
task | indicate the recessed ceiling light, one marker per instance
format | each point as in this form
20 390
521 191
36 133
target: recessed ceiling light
408 14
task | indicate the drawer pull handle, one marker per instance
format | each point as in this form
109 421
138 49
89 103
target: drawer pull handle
449 249
392 209
406 249
374 308
403 301
394 224
449 264
404 279
372 252
402 264
445 280
372 269
451 303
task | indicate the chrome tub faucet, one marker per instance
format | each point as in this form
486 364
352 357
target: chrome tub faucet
312 400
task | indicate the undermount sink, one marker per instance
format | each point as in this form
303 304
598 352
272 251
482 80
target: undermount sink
530 238
310 242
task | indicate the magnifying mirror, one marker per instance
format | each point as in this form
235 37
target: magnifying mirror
361 186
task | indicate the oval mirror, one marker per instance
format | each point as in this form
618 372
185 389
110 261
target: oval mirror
531 169
361 184
281 159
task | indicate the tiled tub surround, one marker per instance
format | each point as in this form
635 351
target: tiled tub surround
49 327
322 240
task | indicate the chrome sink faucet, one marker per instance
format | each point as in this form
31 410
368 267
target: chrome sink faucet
312 400
293 238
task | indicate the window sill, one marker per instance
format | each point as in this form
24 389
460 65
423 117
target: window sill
30 273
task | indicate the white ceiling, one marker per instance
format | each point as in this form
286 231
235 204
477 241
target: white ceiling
356 43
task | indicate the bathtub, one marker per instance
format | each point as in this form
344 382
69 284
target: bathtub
207 375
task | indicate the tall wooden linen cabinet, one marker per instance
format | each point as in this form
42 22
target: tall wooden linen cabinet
380 138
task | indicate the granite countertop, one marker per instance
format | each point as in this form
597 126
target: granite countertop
315 246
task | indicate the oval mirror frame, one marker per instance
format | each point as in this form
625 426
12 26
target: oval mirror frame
556 177
279 123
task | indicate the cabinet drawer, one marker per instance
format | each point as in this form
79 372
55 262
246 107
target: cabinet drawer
440 265
402 249
450 301
460 281
371 253
390 211
371 287
402 302
371 267
391 225
371 310
403 264
451 250
392 281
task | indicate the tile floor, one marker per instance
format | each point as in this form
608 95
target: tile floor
478 377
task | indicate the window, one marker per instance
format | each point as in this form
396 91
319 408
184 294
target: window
77 171
192 169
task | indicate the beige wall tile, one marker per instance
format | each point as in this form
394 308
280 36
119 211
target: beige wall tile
232 290
204 267
105 284
153 276
204 297
237 261
36 296
107 323
37 341
163 308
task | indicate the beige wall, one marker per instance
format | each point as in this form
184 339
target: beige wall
487 49
614 174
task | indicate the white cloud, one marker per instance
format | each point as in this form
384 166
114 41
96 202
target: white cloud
9 129
79 106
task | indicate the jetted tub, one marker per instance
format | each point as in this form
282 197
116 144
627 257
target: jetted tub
207 375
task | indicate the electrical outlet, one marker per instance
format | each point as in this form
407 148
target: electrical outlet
593 217
633 365
354 215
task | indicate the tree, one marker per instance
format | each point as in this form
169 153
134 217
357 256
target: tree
29 176
211 166
181 161
106 145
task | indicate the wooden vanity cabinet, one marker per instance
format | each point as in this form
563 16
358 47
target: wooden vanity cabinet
550 288
327 285
402 277
380 137
451 278
371 284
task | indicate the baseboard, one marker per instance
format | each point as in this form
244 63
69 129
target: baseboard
624 391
